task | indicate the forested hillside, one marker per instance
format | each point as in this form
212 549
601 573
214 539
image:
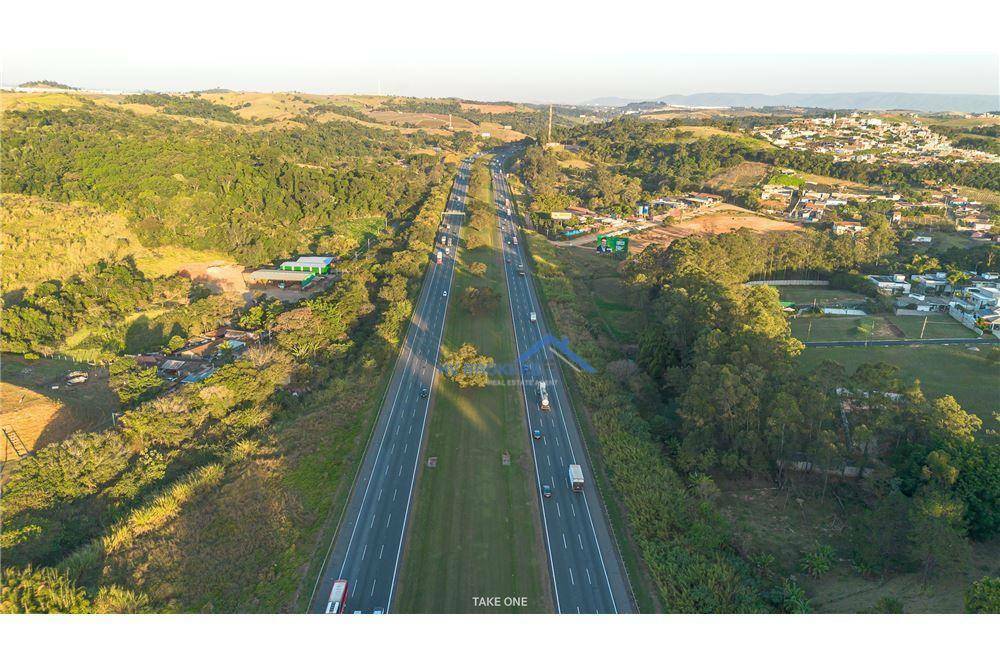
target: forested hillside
254 196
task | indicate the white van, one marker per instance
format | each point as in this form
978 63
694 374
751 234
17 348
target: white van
533 317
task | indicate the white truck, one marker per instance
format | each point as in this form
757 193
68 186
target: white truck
543 397
575 477
440 257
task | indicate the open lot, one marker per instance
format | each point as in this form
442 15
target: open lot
42 415
743 175
474 529
718 219
972 377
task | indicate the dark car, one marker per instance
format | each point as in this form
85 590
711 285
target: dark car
525 368
424 392
508 260
546 491
536 434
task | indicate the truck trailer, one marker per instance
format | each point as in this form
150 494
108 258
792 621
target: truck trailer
440 257
543 397
575 478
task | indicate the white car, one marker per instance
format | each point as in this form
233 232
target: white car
444 293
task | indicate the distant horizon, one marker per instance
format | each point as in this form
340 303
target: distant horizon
531 52
591 101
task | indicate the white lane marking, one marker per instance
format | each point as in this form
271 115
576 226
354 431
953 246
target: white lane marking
423 425
364 552
527 410
562 464
558 511
565 544
373 586
571 580
400 471
381 549
548 460
579 537
574 509
379 495
409 430
588 576
408 342
388 520
394 492
373 521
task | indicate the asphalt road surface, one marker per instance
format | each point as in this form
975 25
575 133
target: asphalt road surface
586 572
367 548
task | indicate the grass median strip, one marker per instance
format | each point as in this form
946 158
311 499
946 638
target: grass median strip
474 541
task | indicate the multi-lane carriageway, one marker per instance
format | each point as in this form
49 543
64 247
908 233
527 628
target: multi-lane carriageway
587 574
369 543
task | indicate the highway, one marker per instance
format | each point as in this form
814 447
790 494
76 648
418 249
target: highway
367 548
586 571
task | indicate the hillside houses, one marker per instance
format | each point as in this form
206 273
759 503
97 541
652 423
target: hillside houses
868 139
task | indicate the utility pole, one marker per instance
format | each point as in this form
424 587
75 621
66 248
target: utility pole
923 327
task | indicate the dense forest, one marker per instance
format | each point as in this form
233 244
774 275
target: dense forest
722 355
256 196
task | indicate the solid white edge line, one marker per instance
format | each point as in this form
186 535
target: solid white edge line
527 413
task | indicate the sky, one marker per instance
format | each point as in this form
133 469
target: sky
522 50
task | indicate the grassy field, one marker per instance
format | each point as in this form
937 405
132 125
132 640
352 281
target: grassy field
876 327
821 296
42 415
741 176
970 376
475 529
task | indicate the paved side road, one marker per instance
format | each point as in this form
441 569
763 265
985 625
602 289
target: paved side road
586 572
367 548
894 343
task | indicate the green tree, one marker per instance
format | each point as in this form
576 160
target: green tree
467 367
132 383
983 596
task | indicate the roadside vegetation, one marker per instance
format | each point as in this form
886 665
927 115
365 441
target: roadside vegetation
158 509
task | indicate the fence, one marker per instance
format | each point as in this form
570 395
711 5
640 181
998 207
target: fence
821 283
